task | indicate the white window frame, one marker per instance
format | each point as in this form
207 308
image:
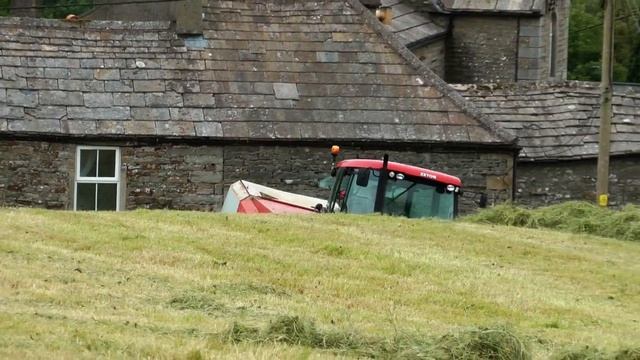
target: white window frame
96 180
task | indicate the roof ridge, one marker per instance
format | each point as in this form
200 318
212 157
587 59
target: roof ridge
527 85
466 106
620 89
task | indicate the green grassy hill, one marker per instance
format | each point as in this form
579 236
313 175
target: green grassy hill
201 285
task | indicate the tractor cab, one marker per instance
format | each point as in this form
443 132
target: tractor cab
369 186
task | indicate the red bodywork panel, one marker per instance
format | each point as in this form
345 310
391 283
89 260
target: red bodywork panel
247 197
261 205
402 168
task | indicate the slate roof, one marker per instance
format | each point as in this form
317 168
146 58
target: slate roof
274 70
412 26
481 6
560 121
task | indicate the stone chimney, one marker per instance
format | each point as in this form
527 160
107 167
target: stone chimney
24 8
189 17
186 13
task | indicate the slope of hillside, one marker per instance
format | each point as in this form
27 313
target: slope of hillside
172 284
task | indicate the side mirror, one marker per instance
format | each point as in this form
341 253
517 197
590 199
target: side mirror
334 171
483 201
363 177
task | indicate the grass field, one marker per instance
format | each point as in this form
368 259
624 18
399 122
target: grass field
161 284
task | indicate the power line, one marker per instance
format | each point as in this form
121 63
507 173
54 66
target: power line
129 2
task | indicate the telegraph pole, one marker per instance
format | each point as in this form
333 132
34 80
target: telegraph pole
604 141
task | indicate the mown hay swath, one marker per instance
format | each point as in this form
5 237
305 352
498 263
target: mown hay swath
576 217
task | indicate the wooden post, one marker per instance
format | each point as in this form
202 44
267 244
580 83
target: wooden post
604 141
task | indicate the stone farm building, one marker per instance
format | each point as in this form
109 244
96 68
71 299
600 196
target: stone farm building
509 58
184 103
486 41
557 125
122 114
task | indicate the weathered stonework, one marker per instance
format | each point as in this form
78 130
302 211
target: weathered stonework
545 183
536 38
173 177
433 55
487 41
532 49
41 174
562 10
186 177
36 174
482 49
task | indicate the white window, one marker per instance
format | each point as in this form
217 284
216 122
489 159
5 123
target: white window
97 178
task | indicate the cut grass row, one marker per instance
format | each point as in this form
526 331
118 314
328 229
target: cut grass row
471 344
574 216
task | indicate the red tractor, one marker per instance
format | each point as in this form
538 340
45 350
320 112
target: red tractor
360 187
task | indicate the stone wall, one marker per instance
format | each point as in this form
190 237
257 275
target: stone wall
194 177
535 44
494 49
298 169
433 55
173 176
41 174
36 174
563 10
482 49
549 183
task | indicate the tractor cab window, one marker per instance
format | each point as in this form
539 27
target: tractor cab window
418 199
339 192
361 195
354 190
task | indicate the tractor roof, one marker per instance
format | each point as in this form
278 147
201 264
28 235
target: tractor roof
402 168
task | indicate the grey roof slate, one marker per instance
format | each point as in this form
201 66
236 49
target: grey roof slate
411 25
560 120
275 70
